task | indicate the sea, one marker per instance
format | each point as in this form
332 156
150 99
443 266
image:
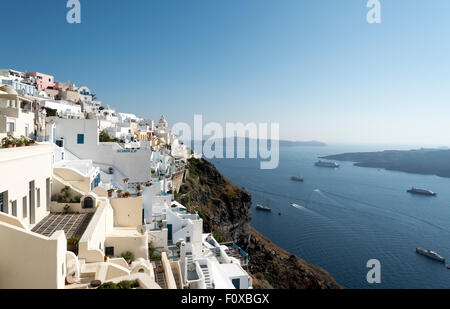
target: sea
347 216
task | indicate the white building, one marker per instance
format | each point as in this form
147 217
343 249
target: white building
16 115
81 138
64 109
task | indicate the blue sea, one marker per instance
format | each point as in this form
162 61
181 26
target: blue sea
349 215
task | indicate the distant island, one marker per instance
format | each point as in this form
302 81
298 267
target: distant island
300 143
284 143
424 161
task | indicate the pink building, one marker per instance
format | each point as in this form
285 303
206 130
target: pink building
43 81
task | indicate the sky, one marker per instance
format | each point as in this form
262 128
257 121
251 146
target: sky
316 67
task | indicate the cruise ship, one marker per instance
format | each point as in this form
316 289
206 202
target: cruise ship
326 164
421 191
431 254
261 207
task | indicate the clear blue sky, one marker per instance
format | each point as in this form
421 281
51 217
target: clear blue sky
316 67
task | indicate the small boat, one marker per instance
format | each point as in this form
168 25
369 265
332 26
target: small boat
261 207
326 164
421 191
297 178
431 254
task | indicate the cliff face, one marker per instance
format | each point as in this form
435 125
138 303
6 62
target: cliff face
226 212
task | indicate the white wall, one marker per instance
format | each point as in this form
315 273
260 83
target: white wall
134 164
18 168
31 261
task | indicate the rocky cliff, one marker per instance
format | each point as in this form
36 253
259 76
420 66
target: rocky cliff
226 212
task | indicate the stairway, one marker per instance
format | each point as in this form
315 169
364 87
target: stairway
160 278
205 272
189 258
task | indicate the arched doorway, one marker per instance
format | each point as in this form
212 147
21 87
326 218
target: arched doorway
88 202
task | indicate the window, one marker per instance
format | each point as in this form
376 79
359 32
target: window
80 139
25 207
38 197
14 208
48 191
188 239
60 143
1 202
26 130
109 251
10 126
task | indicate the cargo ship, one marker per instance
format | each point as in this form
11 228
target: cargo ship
431 254
421 191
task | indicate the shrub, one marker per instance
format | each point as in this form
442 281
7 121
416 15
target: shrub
128 255
73 240
104 137
153 254
128 284
108 286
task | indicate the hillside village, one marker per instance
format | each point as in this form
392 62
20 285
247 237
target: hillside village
87 197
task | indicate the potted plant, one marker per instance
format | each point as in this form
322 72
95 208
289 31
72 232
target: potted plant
30 142
19 142
128 256
8 142
139 187
148 184
66 208
126 194
119 193
72 244
160 224
125 180
110 192
139 194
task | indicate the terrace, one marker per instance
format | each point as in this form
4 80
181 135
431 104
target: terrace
236 252
71 224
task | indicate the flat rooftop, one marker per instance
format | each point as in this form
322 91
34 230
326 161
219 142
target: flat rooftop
71 224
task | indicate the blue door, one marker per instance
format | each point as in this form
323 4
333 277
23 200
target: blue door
236 283
169 232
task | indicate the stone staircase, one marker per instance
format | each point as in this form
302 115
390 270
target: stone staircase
160 278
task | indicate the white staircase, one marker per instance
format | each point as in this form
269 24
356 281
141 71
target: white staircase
189 258
205 272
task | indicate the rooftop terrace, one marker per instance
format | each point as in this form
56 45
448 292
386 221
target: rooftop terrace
71 224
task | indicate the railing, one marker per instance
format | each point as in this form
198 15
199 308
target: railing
40 139
243 253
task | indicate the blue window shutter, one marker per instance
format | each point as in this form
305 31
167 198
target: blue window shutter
80 139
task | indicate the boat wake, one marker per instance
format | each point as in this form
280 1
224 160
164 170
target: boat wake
298 206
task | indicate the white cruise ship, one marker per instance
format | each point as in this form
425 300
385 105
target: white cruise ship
421 191
326 164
